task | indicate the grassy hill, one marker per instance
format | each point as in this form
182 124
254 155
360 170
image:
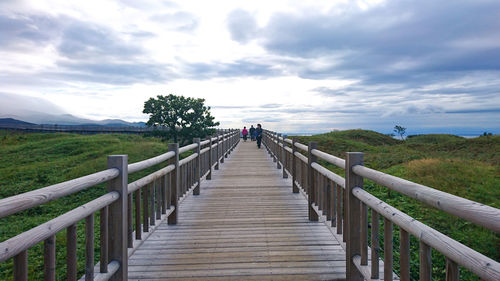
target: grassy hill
31 161
468 168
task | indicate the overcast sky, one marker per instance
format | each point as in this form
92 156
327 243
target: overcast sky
294 66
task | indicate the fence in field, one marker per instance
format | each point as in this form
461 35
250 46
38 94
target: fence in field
344 202
78 129
123 227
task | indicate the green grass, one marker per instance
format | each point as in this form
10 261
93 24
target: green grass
32 161
468 168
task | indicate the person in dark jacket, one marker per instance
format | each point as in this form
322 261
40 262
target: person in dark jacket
252 133
258 135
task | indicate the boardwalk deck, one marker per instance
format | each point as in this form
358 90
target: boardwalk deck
246 225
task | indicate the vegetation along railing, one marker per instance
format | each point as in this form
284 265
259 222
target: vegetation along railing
159 193
344 202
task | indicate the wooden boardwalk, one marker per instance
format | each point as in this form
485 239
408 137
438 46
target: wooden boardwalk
245 225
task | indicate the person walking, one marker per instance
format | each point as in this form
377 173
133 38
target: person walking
244 132
258 135
252 133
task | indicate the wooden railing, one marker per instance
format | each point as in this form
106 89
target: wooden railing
159 193
343 202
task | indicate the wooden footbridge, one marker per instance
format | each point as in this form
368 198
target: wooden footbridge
230 211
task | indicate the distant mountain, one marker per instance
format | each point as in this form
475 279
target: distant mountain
12 121
65 119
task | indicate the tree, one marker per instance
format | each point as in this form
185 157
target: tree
400 130
184 117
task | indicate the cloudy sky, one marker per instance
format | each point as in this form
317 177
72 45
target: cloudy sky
295 66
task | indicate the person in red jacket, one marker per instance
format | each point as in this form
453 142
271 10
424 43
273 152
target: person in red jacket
244 132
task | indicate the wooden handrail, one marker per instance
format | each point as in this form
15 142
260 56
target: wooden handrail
133 186
301 157
188 147
301 146
139 166
483 266
339 162
475 212
30 199
188 159
27 239
329 174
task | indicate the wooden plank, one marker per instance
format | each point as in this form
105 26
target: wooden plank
245 224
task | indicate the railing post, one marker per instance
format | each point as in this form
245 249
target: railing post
223 144
353 240
174 183
226 145
237 137
21 266
295 188
210 159
283 156
217 153
273 147
117 222
278 152
197 173
271 141
311 196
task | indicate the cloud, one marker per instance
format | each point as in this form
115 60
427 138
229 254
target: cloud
397 42
271 105
85 51
242 26
178 21
115 72
14 105
238 68
83 40
142 34
228 107
149 4
325 91
473 111
21 31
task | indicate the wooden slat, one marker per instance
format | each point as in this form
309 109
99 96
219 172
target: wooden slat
452 271
103 238
425 262
245 224
404 255
71 257
388 249
137 200
89 248
375 245
21 266
49 260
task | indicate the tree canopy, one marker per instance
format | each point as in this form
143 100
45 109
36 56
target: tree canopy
184 117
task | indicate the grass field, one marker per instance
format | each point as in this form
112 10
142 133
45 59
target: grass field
468 168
